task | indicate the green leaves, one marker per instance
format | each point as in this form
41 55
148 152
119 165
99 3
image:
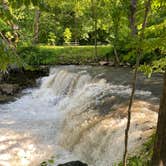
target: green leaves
51 38
67 36
49 162
7 57
146 69
157 66
4 26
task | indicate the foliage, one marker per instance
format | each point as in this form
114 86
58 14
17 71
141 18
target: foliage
6 36
157 66
25 17
78 16
144 157
56 55
67 36
112 22
51 39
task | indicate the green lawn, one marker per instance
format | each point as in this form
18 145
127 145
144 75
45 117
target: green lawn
55 55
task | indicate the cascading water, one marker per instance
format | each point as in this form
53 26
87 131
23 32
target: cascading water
73 115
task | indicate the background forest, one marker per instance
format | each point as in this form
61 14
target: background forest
105 23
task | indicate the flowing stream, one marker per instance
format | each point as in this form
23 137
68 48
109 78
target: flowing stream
77 113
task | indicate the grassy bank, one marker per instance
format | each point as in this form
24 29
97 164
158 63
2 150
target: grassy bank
56 55
78 55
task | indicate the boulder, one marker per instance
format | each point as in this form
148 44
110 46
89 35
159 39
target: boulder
128 64
73 163
9 89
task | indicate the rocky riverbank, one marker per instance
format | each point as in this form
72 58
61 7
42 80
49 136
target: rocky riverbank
18 79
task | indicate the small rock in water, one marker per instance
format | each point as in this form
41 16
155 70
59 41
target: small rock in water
73 163
111 63
121 64
103 63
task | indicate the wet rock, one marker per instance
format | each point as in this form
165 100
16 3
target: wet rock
9 89
5 98
103 63
73 163
122 64
128 64
17 79
111 63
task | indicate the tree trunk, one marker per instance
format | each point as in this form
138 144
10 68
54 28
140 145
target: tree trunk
75 24
94 16
133 28
139 52
159 151
36 26
133 8
95 38
117 61
75 31
129 113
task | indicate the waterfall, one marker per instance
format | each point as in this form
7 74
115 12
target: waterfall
73 115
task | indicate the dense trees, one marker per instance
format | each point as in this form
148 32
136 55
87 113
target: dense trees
90 21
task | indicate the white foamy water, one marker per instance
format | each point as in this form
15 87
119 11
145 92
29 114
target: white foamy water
63 118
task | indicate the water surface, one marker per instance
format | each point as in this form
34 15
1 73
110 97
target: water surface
77 112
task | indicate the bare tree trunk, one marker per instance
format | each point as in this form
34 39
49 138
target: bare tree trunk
94 15
36 26
117 61
159 150
95 37
139 52
129 113
75 31
133 8
75 24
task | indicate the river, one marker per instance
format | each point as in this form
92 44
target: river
78 113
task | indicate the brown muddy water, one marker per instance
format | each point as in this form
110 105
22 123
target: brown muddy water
78 113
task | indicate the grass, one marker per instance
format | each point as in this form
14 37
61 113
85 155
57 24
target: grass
59 55
77 55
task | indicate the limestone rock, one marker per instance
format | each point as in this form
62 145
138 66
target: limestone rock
103 63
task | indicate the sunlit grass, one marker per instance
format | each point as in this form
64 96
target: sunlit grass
55 55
